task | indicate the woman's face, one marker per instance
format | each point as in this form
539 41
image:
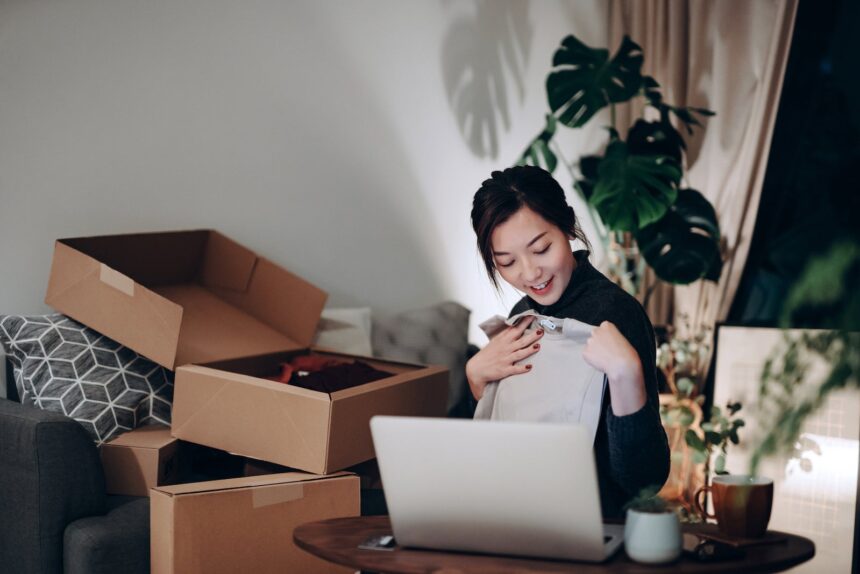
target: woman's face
533 255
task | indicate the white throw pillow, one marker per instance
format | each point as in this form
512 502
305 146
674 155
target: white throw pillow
346 330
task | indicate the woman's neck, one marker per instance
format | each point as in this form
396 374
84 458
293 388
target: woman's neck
571 291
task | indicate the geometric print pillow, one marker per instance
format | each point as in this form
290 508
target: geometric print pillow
60 365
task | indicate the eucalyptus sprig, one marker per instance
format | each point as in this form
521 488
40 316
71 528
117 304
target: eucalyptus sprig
679 412
682 358
827 294
720 430
782 382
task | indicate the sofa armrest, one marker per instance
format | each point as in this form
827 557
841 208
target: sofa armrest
110 544
50 475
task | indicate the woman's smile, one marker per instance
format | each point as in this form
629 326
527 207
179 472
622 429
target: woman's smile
541 288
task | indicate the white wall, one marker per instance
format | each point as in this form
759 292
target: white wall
317 133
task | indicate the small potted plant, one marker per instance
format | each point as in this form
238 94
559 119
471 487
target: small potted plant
652 532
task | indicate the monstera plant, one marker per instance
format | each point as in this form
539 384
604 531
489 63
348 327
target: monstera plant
635 189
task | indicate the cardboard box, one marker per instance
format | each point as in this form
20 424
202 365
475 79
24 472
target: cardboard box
245 524
199 299
228 406
141 459
183 297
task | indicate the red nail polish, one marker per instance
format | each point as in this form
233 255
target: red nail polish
528 367
540 331
536 346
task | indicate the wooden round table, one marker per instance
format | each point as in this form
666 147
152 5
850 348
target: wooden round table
337 540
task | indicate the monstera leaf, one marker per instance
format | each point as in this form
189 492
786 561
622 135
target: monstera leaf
633 186
588 166
538 152
684 245
584 80
633 191
656 138
684 114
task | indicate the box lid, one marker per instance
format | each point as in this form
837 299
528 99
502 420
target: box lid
184 296
245 482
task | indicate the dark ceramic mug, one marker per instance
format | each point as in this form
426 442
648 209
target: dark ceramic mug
742 504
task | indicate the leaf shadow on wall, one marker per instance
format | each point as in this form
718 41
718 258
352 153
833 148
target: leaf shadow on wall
478 52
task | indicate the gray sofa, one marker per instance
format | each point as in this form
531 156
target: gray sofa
54 513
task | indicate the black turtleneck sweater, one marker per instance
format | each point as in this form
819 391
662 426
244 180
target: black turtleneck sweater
631 451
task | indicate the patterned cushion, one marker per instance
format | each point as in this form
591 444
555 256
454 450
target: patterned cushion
63 366
435 335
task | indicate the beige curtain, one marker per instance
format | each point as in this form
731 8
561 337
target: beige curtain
728 56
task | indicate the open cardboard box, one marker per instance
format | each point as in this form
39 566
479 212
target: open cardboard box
245 524
184 296
230 405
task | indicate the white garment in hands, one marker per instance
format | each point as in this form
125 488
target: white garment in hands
560 387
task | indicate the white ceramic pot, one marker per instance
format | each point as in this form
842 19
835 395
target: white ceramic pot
652 537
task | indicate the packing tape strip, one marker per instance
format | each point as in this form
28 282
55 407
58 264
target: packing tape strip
116 280
276 494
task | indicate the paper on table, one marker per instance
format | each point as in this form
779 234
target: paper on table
560 387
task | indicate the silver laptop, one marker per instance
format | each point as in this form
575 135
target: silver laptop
524 489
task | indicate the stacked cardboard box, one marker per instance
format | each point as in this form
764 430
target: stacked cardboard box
224 318
141 459
245 524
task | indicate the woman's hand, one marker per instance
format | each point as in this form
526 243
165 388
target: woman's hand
496 360
607 350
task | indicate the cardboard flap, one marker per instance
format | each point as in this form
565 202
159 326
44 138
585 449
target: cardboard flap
245 482
226 264
296 421
213 329
153 436
206 371
114 305
270 293
276 297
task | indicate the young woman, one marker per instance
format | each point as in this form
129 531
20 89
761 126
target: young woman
524 227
